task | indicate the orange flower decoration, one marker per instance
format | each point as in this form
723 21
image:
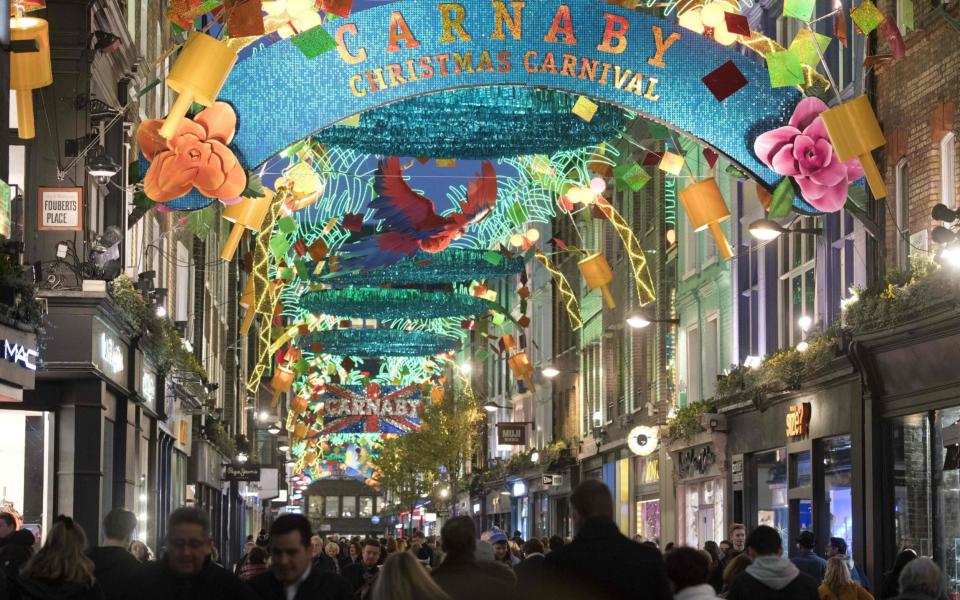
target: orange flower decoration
196 156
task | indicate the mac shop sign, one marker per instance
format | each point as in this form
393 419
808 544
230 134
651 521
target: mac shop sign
109 353
20 358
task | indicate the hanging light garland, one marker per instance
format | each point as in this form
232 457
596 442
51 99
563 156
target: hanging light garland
381 342
386 303
449 266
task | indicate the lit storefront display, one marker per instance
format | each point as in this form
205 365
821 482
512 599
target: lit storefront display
699 476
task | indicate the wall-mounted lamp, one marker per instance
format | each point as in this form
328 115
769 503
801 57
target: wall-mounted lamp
767 229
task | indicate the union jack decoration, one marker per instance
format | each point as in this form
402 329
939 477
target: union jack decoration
392 410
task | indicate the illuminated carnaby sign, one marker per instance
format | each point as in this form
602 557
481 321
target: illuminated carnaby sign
584 47
20 355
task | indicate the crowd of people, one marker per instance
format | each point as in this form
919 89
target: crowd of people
289 562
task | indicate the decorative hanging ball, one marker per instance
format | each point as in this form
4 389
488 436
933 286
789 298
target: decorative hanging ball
722 35
712 14
516 240
598 185
29 70
533 235
197 76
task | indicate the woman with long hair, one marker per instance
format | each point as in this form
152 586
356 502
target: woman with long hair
716 574
355 552
402 577
838 585
60 569
890 586
141 551
734 567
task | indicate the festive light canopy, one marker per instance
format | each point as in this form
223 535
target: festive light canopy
382 342
393 303
451 266
490 122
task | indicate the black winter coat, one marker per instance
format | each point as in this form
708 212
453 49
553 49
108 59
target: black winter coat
747 587
319 585
529 573
118 573
602 564
24 588
465 579
15 550
213 583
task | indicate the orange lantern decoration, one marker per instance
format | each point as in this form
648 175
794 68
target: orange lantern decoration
310 457
855 132
197 76
29 70
249 213
597 273
705 208
299 431
508 342
520 365
299 404
282 382
246 301
436 394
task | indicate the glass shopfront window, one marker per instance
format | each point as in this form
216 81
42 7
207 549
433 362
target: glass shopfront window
772 500
648 520
349 509
26 456
912 476
703 512
366 507
837 471
332 507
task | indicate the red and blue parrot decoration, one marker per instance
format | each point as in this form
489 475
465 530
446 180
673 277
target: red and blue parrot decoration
410 220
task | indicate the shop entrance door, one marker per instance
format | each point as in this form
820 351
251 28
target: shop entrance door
706 524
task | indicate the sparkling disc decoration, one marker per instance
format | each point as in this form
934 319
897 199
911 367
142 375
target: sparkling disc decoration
381 342
476 123
450 266
388 303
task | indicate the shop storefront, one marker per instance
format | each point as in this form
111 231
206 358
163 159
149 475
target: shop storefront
792 464
912 450
700 475
646 471
26 434
175 436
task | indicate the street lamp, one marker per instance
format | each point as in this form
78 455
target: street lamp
550 372
466 368
639 321
492 407
274 428
767 229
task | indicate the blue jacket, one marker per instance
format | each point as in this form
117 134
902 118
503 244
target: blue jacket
811 564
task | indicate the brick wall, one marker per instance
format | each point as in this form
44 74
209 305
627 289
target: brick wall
907 93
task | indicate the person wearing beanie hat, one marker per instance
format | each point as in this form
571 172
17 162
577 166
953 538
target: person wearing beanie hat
501 548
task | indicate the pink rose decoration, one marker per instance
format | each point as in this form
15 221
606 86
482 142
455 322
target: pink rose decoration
802 150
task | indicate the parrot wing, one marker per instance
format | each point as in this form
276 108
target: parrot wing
378 250
401 209
481 195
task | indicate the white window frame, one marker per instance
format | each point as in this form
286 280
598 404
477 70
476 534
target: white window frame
689 248
693 352
788 319
901 179
948 170
709 379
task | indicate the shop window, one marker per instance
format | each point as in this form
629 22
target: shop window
365 511
837 474
349 509
702 512
911 482
771 501
711 355
800 475
107 494
949 497
689 248
314 505
693 364
26 454
332 507
648 520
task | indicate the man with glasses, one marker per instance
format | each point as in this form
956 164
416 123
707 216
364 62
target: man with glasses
186 571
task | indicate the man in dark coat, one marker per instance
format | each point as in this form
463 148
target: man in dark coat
601 563
186 571
321 561
807 560
459 574
16 545
771 576
362 575
530 568
291 575
115 569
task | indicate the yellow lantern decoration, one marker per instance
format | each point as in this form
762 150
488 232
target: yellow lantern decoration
597 273
247 300
282 382
245 214
197 76
29 70
705 208
855 132
299 432
520 365
508 342
310 457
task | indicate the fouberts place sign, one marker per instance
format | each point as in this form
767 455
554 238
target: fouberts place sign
583 47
